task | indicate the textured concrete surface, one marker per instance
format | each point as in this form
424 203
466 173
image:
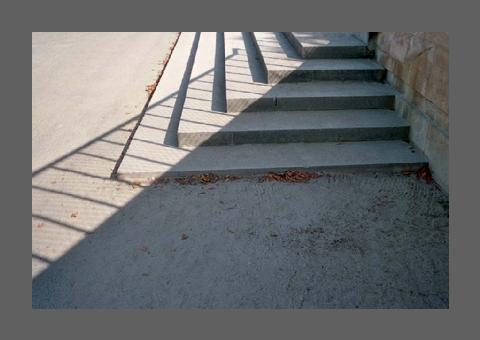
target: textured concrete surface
284 64
327 44
82 82
341 241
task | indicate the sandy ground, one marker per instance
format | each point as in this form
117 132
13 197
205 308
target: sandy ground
343 241
339 241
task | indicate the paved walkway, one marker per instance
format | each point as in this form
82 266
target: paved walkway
88 90
83 84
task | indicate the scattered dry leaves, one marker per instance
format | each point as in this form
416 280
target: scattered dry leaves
208 178
160 180
186 180
203 179
74 214
287 176
290 176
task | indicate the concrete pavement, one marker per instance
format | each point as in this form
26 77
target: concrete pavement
83 84
339 241
88 90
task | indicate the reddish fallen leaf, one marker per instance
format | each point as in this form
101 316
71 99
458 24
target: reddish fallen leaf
150 88
40 225
73 215
136 184
208 178
425 174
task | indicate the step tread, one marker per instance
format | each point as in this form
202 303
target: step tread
260 158
327 44
327 39
236 88
278 54
202 121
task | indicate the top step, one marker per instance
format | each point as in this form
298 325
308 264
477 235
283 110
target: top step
283 64
327 44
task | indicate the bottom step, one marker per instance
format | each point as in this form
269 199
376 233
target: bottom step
261 158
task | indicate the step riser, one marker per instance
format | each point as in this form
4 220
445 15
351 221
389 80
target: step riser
293 136
299 103
325 52
334 52
347 168
277 76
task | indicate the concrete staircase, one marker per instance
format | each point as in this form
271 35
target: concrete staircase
291 100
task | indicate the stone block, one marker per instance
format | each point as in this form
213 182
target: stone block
437 89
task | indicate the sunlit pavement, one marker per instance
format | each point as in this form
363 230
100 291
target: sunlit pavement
88 90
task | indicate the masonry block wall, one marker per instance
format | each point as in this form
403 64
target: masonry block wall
417 64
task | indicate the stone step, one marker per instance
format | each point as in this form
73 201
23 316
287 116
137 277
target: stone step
261 158
247 90
217 128
283 64
327 44
321 95
153 153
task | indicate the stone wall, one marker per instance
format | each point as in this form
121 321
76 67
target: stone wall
417 64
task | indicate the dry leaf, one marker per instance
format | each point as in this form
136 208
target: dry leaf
150 88
136 184
425 174
208 178
291 176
